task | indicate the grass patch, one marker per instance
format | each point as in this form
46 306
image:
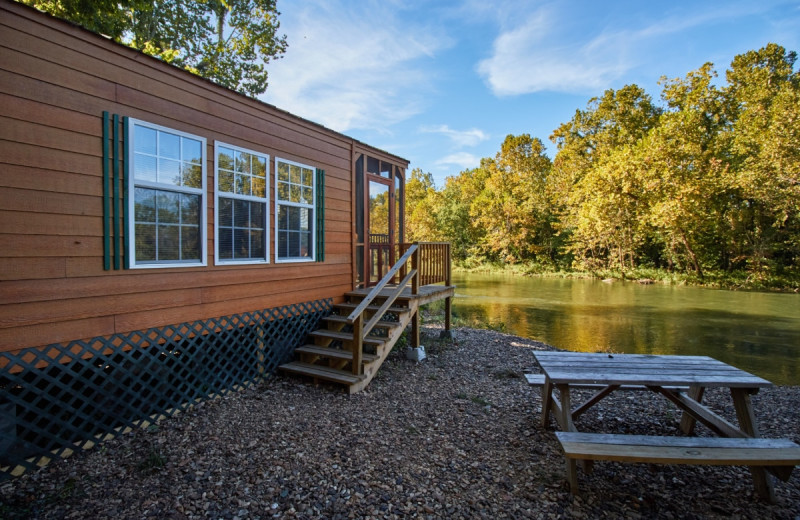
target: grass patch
480 401
152 462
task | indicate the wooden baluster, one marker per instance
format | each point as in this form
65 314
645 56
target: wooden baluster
448 281
358 344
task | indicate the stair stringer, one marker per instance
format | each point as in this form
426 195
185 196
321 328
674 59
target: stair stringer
371 369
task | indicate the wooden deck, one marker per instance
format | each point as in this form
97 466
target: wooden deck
426 294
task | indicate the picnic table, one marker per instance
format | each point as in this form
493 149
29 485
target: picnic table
683 381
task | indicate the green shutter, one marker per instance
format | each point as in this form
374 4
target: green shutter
115 191
106 198
319 249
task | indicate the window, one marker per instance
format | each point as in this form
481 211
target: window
294 207
241 211
167 183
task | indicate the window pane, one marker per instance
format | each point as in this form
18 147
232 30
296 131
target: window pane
225 212
225 237
145 139
190 243
225 181
225 158
295 193
242 162
305 244
307 196
283 191
305 219
241 213
190 205
259 187
257 215
167 205
283 172
241 243
169 145
145 242
283 244
144 205
294 244
283 217
169 171
257 244
192 175
192 150
145 167
259 166
168 243
295 174
243 184
308 177
386 170
373 166
294 218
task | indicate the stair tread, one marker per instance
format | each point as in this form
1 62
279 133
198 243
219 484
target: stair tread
333 353
320 372
372 308
332 334
357 294
381 323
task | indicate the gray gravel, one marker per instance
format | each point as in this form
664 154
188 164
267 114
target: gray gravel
454 436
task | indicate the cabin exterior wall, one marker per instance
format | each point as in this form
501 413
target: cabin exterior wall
58 292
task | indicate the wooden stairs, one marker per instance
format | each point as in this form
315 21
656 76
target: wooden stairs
329 354
361 333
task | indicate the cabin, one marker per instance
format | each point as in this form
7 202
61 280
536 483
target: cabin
165 240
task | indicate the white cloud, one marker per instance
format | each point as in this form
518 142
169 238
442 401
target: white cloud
461 159
559 48
460 138
352 65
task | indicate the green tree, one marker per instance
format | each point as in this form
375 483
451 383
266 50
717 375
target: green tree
421 207
512 206
764 98
227 41
593 190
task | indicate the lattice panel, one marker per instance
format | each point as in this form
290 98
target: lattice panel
61 398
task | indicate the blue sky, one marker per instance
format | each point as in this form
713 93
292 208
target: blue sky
441 83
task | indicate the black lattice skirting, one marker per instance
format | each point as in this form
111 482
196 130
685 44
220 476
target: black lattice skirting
61 398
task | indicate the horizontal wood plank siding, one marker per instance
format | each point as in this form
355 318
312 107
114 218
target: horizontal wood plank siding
56 80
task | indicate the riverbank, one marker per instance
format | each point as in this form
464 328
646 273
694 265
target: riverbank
735 281
455 436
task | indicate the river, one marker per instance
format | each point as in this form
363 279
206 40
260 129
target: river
755 331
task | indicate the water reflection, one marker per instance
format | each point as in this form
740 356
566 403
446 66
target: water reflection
758 332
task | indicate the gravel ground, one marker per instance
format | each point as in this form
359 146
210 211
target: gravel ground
454 436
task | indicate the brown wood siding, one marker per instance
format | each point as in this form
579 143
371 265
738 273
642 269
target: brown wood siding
55 82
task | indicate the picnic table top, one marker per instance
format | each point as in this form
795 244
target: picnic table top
643 369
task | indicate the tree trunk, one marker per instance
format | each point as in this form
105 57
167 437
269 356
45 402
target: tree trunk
692 255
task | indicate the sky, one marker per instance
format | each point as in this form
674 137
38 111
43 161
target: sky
443 82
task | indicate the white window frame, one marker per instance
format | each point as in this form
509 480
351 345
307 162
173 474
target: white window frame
250 198
134 183
312 207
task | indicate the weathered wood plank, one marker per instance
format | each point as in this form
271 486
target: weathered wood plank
680 450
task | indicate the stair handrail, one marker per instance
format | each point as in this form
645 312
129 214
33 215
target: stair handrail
356 318
378 288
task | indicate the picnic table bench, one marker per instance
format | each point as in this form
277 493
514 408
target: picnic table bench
680 379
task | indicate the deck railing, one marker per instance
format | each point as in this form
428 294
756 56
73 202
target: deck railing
356 318
434 262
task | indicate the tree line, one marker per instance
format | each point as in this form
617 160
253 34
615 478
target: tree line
706 180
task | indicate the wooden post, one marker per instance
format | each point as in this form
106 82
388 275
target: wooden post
747 423
687 421
448 302
358 343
